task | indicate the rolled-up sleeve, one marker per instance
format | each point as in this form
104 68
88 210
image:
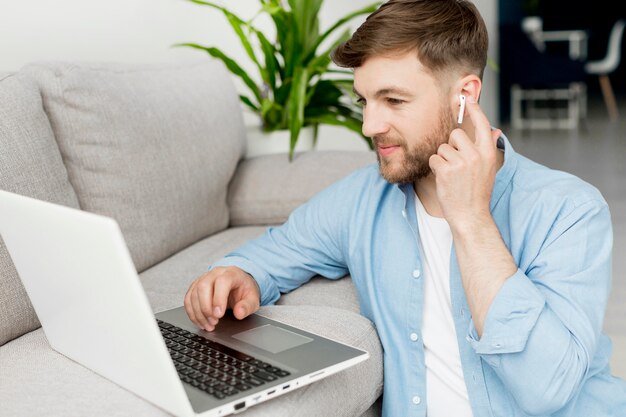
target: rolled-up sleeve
308 244
511 318
541 331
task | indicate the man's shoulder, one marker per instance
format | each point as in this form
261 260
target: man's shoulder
361 188
539 184
363 179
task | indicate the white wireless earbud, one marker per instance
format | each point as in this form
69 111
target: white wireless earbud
459 119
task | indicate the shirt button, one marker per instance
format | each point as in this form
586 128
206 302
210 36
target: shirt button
416 273
417 400
414 337
404 213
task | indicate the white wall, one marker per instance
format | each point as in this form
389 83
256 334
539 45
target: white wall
143 31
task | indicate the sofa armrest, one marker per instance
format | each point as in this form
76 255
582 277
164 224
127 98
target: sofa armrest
266 189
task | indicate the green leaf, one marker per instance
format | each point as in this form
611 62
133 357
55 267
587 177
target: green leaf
271 114
245 100
365 10
230 64
281 21
237 24
281 94
306 13
271 63
296 106
292 50
324 93
319 65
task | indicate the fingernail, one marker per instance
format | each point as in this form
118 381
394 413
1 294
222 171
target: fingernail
217 311
209 328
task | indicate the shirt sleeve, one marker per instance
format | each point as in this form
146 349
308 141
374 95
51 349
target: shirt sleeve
308 244
542 329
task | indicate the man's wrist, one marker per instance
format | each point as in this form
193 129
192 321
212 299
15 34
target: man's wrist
256 283
471 226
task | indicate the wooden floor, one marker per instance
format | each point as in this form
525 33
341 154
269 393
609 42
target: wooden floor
596 152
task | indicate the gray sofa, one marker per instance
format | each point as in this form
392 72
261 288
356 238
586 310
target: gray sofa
160 148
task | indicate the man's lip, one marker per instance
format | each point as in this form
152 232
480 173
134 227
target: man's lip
387 150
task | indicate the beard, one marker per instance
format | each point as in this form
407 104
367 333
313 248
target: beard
414 165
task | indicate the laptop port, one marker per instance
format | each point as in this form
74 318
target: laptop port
271 392
240 405
286 386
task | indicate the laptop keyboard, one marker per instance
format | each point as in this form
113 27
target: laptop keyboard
212 367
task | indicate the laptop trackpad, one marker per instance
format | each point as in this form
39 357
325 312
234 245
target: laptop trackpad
272 338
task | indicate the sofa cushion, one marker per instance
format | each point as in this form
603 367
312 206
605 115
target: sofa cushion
31 165
37 380
167 282
266 189
153 146
339 293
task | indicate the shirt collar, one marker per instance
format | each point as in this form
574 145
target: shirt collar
506 171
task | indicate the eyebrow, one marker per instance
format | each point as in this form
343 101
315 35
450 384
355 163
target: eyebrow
387 90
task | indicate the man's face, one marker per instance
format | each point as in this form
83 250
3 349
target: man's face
405 112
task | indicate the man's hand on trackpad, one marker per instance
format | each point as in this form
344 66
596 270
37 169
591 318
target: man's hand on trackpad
221 288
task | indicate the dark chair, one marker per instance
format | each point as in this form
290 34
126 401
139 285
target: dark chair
534 76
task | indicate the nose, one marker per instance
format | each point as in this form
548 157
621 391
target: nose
374 122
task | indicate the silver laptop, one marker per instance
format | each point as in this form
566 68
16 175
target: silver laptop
81 281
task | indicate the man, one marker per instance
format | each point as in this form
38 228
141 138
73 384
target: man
486 274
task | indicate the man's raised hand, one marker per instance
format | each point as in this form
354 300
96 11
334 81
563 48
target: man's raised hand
465 170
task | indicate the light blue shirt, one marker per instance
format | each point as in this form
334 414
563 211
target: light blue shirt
542 352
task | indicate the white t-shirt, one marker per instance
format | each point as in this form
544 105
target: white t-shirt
446 390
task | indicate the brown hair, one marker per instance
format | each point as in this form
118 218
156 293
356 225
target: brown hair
446 34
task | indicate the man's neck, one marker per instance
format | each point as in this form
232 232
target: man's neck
426 190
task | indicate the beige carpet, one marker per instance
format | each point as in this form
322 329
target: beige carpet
618 360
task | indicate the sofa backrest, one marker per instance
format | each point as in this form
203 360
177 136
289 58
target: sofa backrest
31 165
153 146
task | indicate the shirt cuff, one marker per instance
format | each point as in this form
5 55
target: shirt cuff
510 319
267 287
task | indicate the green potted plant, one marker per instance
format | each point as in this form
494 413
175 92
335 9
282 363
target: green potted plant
297 88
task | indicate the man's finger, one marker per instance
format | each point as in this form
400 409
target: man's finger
189 306
221 291
202 299
482 127
245 307
435 161
448 153
459 140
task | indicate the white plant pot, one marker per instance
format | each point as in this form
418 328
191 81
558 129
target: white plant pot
261 143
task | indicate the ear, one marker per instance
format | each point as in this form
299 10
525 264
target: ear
468 86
